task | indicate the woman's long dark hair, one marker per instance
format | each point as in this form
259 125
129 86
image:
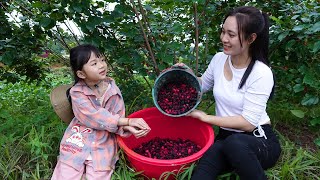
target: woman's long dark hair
252 20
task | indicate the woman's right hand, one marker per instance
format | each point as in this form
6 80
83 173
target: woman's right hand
177 65
181 65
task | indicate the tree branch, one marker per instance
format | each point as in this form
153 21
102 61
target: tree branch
206 48
205 7
196 45
9 14
62 41
145 38
57 55
148 83
144 17
74 36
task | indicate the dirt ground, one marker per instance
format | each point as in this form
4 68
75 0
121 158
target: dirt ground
303 137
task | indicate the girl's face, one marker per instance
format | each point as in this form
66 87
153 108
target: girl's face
94 70
230 38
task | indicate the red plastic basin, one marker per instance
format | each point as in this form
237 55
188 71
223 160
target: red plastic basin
166 127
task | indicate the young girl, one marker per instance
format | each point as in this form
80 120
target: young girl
242 83
89 144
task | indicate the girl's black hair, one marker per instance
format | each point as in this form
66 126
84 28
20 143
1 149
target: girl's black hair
79 56
252 20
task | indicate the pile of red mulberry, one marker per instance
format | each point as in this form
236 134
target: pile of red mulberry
165 148
177 98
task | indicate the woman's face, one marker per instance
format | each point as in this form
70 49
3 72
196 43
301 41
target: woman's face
230 38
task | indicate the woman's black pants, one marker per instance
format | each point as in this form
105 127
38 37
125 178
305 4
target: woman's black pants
243 153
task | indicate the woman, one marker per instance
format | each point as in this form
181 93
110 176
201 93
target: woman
242 83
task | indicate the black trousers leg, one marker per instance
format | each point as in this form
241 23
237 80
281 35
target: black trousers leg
248 155
211 163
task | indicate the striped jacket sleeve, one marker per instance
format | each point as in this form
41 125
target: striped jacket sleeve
91 115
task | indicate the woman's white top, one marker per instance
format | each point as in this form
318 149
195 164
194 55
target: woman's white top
250 101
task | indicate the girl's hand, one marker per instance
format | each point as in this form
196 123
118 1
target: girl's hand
136 132
138 123
198 115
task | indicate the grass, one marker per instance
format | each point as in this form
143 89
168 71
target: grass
295 163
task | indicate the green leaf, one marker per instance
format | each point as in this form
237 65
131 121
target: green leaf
124 59
315 28
303 69
298 113
282 36
56 15
45 21
4 114
176 28
37 4
174 45
317 142
309 78
298 88
77 8
316 47
106 19
92 22
277 20
7 58
315 121
309 100
298 28
199 1
305 20
291 43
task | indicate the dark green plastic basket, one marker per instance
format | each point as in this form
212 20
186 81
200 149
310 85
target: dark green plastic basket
176 74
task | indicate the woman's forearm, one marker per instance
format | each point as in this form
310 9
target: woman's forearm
234 122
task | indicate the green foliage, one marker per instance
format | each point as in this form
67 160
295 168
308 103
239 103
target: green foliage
20 43
295 57
137 50
30 132
136 92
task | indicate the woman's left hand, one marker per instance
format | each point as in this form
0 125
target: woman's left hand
198 114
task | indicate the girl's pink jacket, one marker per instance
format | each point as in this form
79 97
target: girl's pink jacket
93 129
